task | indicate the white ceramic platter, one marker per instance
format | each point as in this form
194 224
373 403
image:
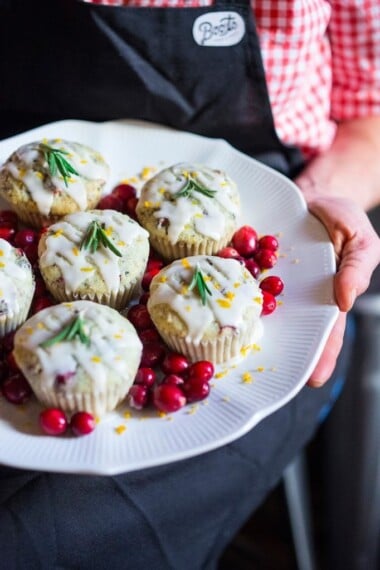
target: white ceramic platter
294 335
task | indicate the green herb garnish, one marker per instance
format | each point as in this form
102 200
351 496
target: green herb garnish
192 185
199 281
55 157
74 329
96 235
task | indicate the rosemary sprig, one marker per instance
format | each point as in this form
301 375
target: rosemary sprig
55 157
94 236
199 281
192 185
72 330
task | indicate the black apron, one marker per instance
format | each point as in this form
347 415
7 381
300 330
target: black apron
70 59
66 59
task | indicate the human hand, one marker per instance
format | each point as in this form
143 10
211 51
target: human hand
339 185
357 248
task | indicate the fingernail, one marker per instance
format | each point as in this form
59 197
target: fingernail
313 383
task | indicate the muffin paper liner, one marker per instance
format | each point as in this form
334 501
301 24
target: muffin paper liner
34 219
221 349
116 300
97 404
9 324
181 249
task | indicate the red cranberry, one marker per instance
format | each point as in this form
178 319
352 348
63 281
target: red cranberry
25 237
144 298
138 396
266 258
41 232
272 284
149 335
53 421
129 207
124 192
203 370
16 389
11 362
196 389
153 354
269 303
139 317
147 278
173 379
174 363
41 303
40 290
168 398
252 267
7 233
7 341
154 263
3 371
82 423
146 377
31 252
110 202
8 218
229 253
244 241
268 242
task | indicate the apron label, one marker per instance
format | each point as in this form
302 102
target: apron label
218 29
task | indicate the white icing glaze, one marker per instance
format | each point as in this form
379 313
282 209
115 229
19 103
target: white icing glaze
112 340
233 290
15 277
63 247
33 171
207 213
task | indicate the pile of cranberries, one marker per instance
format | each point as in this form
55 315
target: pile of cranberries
165 380
181 382
258 255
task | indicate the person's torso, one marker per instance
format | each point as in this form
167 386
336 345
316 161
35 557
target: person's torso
197 70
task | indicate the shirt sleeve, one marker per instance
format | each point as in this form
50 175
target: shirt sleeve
354 32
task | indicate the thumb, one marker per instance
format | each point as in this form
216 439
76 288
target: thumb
359 258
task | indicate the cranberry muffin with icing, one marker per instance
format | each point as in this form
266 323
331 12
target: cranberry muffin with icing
99 255
78 356
16 287
206 307
45 180
189 209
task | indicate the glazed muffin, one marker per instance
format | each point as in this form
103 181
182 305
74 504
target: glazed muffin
45 180
16 287
189 209
206 307
78 356
99 255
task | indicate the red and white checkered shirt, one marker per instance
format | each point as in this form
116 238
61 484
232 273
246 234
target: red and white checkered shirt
322 62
